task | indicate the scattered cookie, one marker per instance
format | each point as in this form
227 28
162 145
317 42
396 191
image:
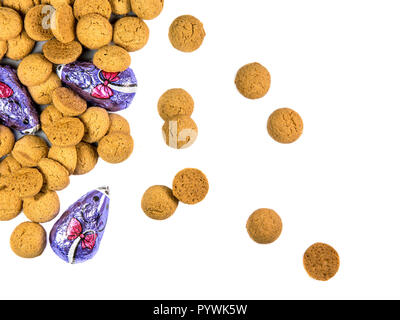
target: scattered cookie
87 158
28 240
29 150
118 124
66 132
42 93
180 132
321 261
85 7
94 31
147 9
68 102
115 147
55 175
22 6
8 166
10 205
3 48
190 186
10 23
285 125
131 33
186 33
96 122
264 226
67 156
7 140
63 23
34 70
35 19
62 53
159 203
253 81
25 182
120 7
175 102
48 117
20 46
112 59
43 207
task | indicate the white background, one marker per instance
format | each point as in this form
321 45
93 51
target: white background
337 64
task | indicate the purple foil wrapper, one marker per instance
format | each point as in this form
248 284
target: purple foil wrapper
17 110
113 91
76 236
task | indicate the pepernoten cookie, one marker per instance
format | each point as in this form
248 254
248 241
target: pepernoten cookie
67 156
186 33
63 24
94 31
86 158
29 150
20 46
7 140
28 240
35 19
253 80
190 186
34 69
55 175
264 226
180 132
159 203
21 6
285 125
85 7
48 117
10 205
62 53
175 102
8 166
147 9
42 93
112 58
96 122
66 132
25 182
321 261
118 124
10 23
68 102
43 207
115 147
131 33
120 7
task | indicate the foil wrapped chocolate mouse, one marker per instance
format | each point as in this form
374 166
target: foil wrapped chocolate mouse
17 110
76 236
113 91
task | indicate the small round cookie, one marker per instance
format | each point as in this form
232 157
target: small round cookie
94 31
85 7
48 117
321 261
190 186
28 240
180 132
10 23
285 125
63 24
131 33
112 58
7 140
22 6
20 46
66 132
87 158
55 175
62 53
43 207
175 102
186 33
67 156
3 48
10 205
96 122
118 124
35 18
253 80
159 203
120 7
264 226
115 147
29 150
42 93
8 166
34 69
147 9
26 182
68 102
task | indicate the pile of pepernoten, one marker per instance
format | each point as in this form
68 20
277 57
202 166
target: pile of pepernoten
64 108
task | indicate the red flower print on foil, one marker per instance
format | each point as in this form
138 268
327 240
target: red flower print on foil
5 91
74 230
103 91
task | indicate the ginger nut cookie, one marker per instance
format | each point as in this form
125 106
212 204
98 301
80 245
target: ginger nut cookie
175 102
62 53
20 46
7 140
3 48
264 226
21 6
67 156
94 31
66 132
180 132
85 7
10 205
285 125
321 261
190 186
159 203
42 93
87 158
186 33
96 122
118 124
112 58
8 166
28 240
120 7
68 102
63 24
35 19
253 81
55 175
115 147
48 117
29 150
43 207
34 69
131 33
25 182
10 23
147 9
